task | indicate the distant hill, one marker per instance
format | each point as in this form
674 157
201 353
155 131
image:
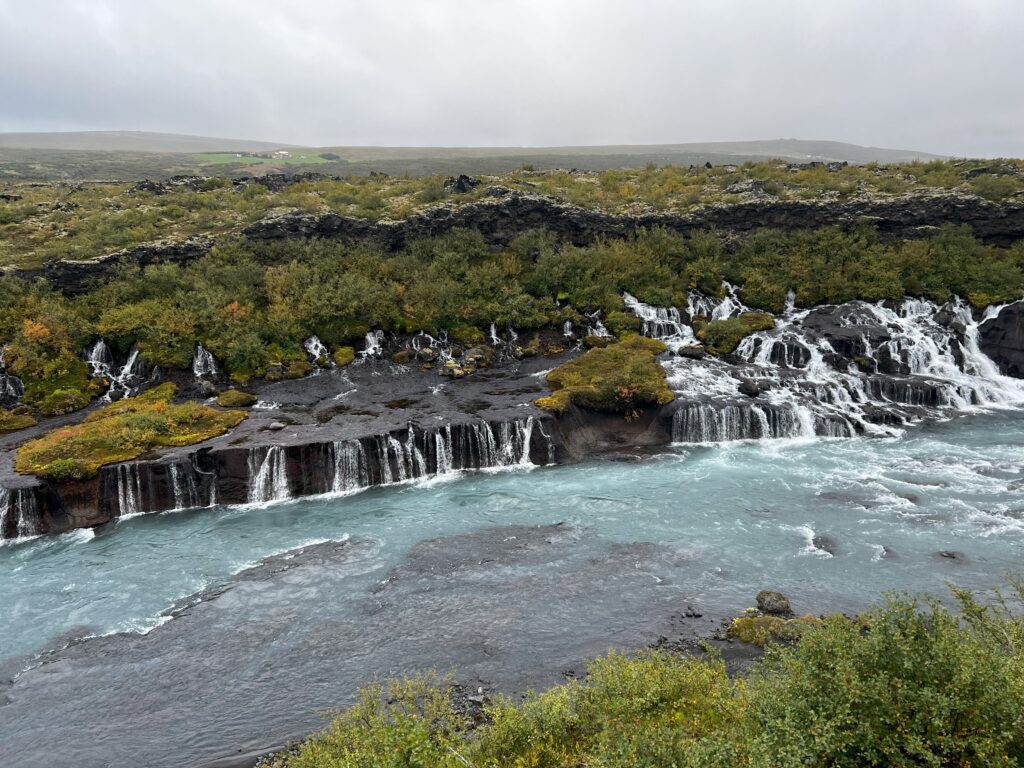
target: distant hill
798 150
131 155
129 141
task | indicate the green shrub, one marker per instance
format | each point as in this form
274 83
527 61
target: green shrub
723 336
904 687
624 377
62 401
900 686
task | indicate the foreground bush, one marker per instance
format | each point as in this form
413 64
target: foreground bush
618 378
905 685
120 432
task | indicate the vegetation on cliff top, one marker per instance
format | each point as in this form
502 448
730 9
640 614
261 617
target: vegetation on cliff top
909 684
83 221
620 378
122 431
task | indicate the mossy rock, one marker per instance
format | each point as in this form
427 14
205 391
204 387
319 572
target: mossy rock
344 356
595 342
10 421
296 369
624 377
723 336
235 398
404 356
122 431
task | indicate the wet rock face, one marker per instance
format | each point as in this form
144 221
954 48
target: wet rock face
1002 339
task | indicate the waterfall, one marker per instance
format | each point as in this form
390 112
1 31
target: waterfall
351 471
203 364
19 511
317 351
567 329
268 476
184 486
416 453
664 323
129 490
837 371
125 378
374 344
11 387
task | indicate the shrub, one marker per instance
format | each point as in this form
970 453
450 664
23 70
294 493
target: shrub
908 687
235 398
723 336
62 401
122 431
624 377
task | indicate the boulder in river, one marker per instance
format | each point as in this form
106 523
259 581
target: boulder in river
773 603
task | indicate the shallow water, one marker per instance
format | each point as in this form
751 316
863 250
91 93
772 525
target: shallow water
454 574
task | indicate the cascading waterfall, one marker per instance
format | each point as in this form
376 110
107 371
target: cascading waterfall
317 351
664 323
129 490
11 387
374 344
268 476
124 379
19 513
184 486
416 454
835 371
203 364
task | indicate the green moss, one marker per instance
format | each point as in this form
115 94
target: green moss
623 322
122 431
11 421
624 377
235 398
723 336
344 356
594 342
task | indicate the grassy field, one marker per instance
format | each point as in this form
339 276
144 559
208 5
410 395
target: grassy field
226 158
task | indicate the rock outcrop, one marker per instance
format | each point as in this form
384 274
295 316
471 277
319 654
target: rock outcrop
1002 339
507 213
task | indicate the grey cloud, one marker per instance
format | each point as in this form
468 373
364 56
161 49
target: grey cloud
934 75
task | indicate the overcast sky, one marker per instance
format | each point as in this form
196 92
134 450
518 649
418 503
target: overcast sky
944 76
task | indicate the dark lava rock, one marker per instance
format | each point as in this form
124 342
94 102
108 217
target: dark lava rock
1002 339
461 183
825 544
694 351
949 554
773 603
752 388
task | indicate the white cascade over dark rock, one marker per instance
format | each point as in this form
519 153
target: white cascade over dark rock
125 379
830 371
204 366
19 513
